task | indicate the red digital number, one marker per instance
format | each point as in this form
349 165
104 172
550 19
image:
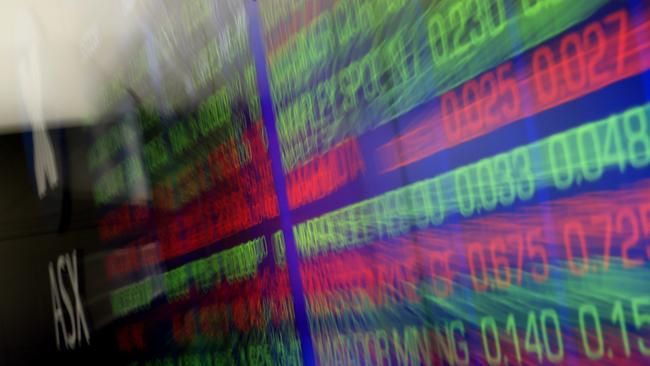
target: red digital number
500 261
573 62
604 222
537 250
544 76
450 116
509 89
518 239
489 92
574 229
595 39
627 223
476 250
473 118
644 213
444 275
622 23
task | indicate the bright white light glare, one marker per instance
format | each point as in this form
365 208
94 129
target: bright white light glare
78 45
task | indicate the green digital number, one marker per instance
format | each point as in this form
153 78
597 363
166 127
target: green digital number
506 185
464 192
486 184
618 315
635 126
641 320
511 328
590 158
525 177
493 359
562 175
532 343
438 38
592 311
551 314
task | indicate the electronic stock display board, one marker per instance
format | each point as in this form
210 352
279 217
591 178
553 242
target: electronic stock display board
366 182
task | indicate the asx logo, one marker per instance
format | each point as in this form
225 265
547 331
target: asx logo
61 282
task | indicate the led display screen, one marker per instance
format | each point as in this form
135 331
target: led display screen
358 182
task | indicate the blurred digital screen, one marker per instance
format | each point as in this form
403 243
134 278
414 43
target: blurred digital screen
341 182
